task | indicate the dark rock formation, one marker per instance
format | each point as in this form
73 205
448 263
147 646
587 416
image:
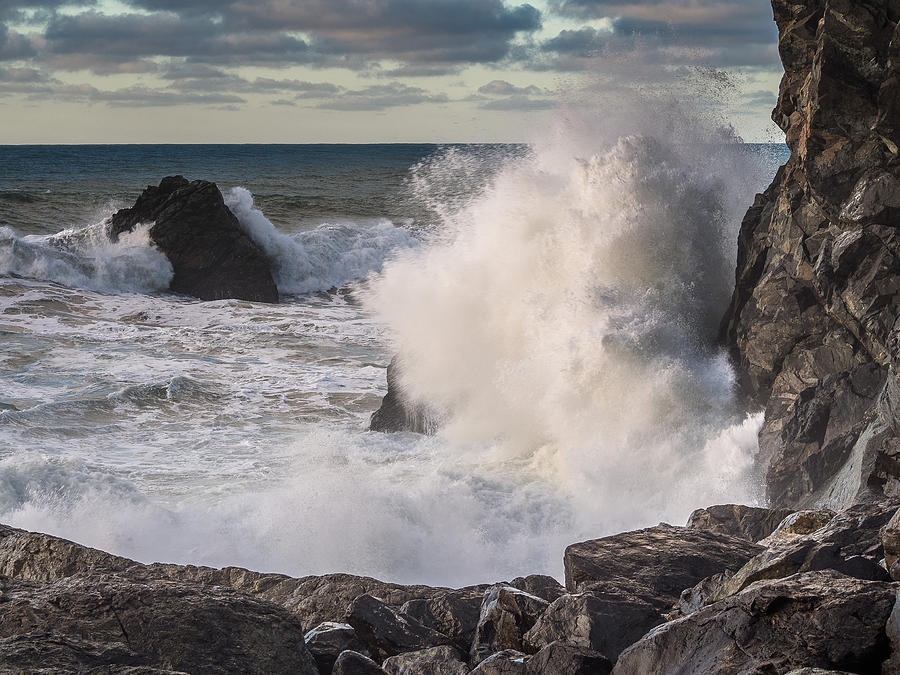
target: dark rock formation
890 540
387 632
811 322
397 412
567 659
744 522
655 564
507 662
453 613
433 661
540 585
327 640
506 615
822 620
354 663
212 256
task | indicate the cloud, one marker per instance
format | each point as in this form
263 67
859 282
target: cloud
584 42
504 88
381 97
520 103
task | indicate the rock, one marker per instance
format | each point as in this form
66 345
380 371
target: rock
354 663
797 525
163 625
811 321
397 412
506 615
453 613
600 621
212 256
507 662
890 539
892 629
540 585
743 522
700 595
850 543
654 565
559 658
387 632
327 640
819 619
434 661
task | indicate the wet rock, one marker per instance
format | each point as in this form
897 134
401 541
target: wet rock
605 622
890 539
354 663
453 613
541 585
506 662
743 522
327 640
397 412
559 658
434 661
821 619
506 615
811 321
212 256
654 565
164 625
387 632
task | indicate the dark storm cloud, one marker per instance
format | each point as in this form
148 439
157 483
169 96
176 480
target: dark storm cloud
584 42
15 10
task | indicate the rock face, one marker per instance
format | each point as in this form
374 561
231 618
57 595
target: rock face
744 522
812 320
397 413
212 256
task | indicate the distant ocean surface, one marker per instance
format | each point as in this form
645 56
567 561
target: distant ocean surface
570 294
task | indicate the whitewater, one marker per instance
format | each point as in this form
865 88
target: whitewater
555 307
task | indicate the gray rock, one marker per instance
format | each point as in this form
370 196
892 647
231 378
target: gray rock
387 632
655 564
700 595
327 640
211 254
541 585
744 522
397 411
600 621
892 629
798 524
453 613
506 662
111 621
506 615
559 658
434 661
890 540
815 619
354 663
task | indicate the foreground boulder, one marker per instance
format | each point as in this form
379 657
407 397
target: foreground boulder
507 613
811 322
819 620
212 256
387 632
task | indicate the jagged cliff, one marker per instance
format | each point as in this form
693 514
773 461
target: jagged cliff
812 323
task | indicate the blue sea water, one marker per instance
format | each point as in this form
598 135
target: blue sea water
163 428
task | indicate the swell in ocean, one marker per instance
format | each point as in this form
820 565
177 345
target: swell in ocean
556 308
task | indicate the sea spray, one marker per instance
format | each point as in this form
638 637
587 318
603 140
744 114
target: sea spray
566 317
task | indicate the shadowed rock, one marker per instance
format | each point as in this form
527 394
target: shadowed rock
433 661
327 640
506 615
566 659
354 663
212 256
387 632
506 662
397 411
744 522
453 613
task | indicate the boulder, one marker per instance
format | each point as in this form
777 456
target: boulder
387 632
811 321
654 565
506 662
892 665
434 661
354 663
560 658
106 620
327 640
890 540
541 585
599 621
397 411
744 522
506 615
212 256
453 613
799 524
815 619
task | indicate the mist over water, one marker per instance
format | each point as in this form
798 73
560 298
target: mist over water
555 305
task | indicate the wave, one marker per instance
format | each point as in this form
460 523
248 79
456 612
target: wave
328 256
86 258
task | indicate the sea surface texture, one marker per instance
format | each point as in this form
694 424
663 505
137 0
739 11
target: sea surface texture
556 306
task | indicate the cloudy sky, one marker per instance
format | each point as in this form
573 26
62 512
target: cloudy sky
298 71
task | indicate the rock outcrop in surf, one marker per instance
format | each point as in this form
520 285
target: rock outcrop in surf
813 320
212 257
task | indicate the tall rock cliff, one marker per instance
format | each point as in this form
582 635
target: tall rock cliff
813 321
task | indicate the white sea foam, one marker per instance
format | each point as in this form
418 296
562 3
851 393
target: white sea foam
329 256
86 258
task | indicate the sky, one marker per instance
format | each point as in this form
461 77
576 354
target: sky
352 71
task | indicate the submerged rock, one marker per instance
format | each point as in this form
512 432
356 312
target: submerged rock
212 256
397 412
817 294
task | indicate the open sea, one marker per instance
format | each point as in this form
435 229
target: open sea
556 305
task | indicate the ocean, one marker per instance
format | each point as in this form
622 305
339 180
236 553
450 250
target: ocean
556 305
